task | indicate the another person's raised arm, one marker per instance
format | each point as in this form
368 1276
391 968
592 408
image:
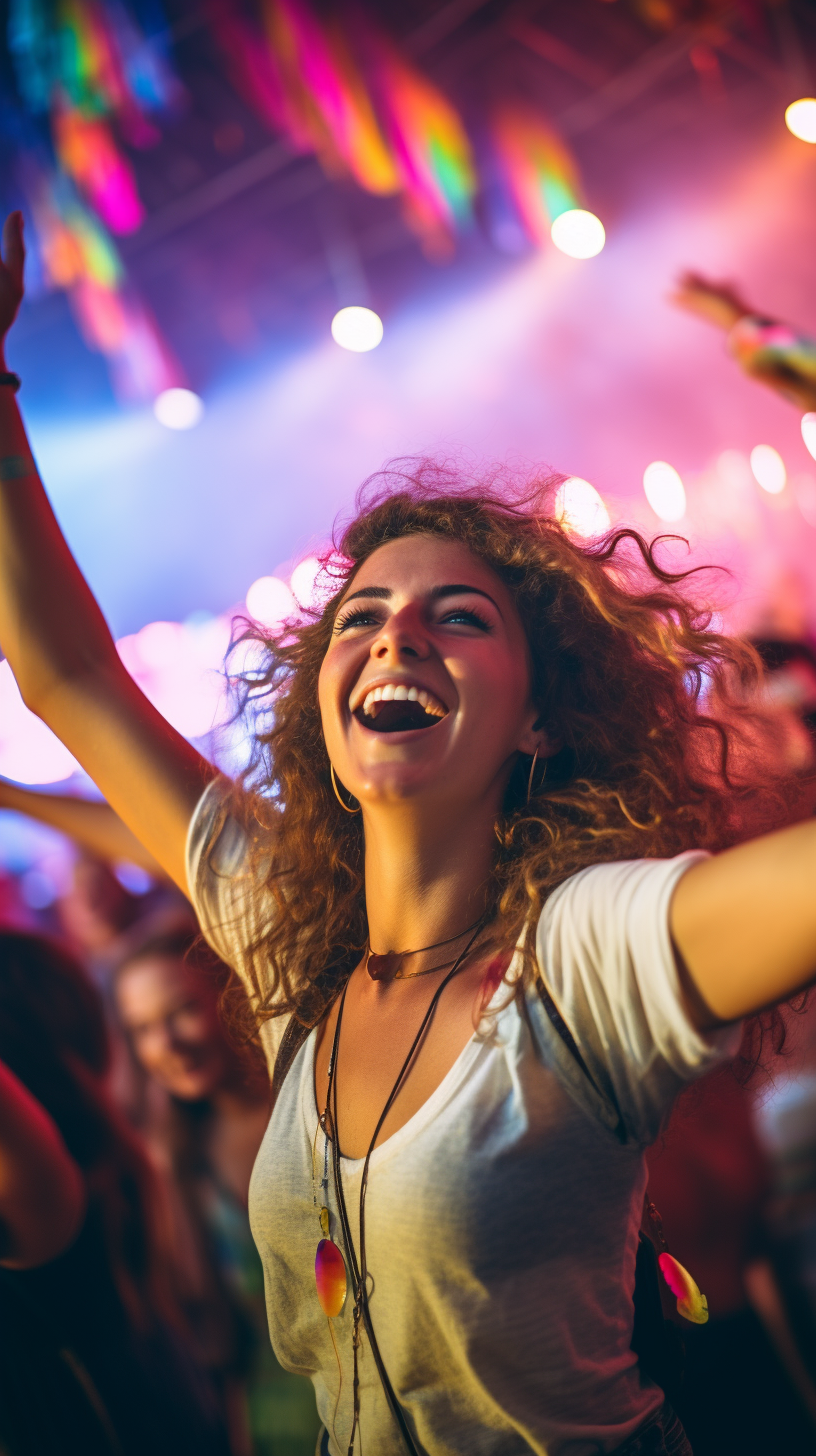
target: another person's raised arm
61 651
766 349
42 1192
91 824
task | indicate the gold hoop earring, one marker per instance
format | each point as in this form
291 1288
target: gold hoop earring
337 793
532 771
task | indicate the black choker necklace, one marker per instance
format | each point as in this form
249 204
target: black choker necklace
386 967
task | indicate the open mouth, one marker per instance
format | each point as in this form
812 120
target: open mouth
396 708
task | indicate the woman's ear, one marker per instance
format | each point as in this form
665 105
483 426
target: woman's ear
536 737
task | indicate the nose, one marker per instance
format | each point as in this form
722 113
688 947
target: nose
402 637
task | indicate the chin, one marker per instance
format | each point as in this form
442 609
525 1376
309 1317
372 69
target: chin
190 1089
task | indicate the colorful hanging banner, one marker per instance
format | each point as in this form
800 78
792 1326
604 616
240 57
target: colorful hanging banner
77 255
87 64
325 96
428 140
537 169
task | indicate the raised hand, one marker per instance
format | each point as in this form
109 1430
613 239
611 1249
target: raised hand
718 303
11 271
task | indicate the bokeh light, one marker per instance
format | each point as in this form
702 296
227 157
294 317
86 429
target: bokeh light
29 752
303 581
768 468
178 409
664 490
358 329
809 432
800 118
804 490
578 233
580 508
269 601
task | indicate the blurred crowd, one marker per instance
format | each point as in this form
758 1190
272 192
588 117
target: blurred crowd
149 1332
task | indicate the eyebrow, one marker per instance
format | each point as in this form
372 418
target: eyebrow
437 594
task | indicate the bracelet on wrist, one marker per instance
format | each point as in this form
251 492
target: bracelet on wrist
10 380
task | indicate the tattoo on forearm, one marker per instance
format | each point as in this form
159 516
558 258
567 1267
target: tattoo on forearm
16 467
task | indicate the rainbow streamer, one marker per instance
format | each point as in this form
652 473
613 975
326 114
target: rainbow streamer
95 55
428 140
77 255
327 106
88 63
89 155
254 73
539 170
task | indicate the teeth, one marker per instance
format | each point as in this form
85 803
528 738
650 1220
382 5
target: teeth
398 692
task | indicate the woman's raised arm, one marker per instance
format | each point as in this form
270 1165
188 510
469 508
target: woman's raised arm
744 926
61 651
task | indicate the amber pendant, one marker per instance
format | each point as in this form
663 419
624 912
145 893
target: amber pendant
383 967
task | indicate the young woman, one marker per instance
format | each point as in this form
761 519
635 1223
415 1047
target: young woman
471 866
94 1355
207 1137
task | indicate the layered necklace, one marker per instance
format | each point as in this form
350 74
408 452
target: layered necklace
331 1275
388 967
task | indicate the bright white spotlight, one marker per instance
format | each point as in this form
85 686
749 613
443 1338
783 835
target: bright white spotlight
580 508
665 491
178 409
577 233
768 468
809 432
269 601
358 329
800 118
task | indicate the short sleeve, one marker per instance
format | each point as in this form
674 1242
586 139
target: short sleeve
606 955
224 893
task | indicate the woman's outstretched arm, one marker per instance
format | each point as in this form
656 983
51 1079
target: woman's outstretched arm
61 651
744 926
88 822
42 1192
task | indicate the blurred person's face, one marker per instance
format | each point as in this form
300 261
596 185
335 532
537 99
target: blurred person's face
172 1019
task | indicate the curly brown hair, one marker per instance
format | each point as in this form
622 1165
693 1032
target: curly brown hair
623 666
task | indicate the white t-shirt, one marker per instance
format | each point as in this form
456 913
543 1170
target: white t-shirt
502 1218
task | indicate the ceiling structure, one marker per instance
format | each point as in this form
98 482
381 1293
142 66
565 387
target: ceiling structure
248 247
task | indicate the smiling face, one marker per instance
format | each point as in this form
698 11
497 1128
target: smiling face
425 687
172 1020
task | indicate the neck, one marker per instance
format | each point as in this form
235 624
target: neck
425 880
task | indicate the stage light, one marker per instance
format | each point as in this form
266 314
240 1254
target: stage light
303 581
665 491
800 118
178 409
358 329
768 468
809 432
269 601
580 508
577 233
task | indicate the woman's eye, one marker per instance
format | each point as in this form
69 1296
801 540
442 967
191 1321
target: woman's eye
468 618
360 618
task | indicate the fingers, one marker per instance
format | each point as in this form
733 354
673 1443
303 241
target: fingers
14 247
